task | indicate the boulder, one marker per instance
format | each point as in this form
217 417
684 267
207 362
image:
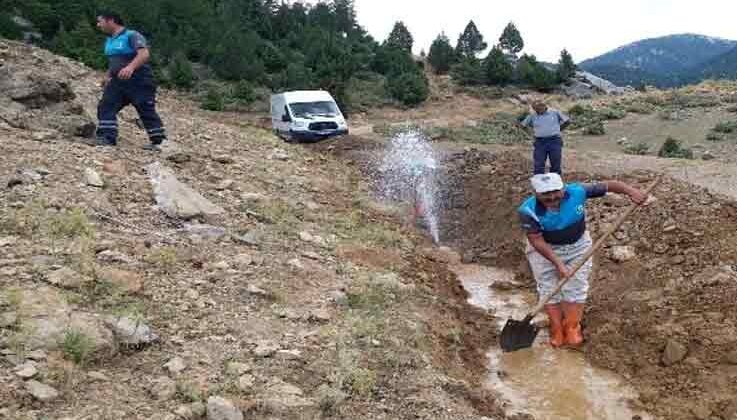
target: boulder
219 408
176 199
673 353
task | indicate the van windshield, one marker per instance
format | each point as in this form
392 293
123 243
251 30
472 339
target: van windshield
314 109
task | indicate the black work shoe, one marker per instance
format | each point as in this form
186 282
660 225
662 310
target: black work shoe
153 147
105 142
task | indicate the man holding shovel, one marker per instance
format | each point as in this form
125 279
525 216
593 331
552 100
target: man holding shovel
555 222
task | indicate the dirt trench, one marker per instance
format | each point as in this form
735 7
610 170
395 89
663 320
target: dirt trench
678 292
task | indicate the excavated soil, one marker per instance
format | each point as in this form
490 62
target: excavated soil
677 292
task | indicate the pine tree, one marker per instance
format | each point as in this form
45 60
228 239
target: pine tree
468 72
566 66
470 42
400 37
511 40
441 56
497 68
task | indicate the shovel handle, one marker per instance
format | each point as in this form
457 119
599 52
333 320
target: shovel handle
599 242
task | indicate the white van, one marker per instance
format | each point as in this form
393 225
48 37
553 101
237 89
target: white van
306 115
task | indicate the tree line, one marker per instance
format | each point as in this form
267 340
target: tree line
277 45
501 66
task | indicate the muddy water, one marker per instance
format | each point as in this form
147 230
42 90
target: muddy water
540 381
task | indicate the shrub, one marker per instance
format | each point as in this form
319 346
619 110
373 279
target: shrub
712 136
726 127
214 99
639 148
595 129
409 88
244 92
180 72
673 148
77 346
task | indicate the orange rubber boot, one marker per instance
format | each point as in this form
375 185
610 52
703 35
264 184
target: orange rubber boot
573 313
555 316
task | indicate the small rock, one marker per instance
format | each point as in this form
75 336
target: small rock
192 294
221 265
246 382
252 198
225 185
98 376
278 154
67 278
284 397
677 260
93 179
14 182
701 412
41 392
243 260
175 365
176 199
669 228
179 157
265 348
164 388
26 370
674 352
731 357
623 253
198 409
252 238
131 333
320 315
224 159
184 412
306 237
37 355
237 368
125 281
254 290
707 155
8 319
219 408
8 241
288 355
296 263
204 232
110 256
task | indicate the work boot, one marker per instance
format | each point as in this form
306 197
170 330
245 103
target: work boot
555 316
572 313
153 147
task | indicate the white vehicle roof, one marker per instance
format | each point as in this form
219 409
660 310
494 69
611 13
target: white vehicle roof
307 96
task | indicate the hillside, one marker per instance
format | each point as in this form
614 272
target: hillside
663 62
723 66
230 274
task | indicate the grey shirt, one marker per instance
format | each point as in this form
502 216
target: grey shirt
546 124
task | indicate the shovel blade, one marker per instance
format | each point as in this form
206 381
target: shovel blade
517 335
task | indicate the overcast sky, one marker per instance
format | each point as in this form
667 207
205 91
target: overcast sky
585 28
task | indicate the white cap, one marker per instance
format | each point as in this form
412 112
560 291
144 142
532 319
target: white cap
543 183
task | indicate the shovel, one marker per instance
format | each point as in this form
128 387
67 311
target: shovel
518 335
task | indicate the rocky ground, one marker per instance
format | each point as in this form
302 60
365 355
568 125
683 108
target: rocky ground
231 276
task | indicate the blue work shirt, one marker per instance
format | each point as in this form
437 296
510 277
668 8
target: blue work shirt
122 48
567 224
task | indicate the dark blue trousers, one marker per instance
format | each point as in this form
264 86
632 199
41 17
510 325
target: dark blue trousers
139 91
547 147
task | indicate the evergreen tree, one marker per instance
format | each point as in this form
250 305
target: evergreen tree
498 69
511 40
400 37
441 56
534 74
566 66
468 72
470 42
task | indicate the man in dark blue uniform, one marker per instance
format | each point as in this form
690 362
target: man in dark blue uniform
128 81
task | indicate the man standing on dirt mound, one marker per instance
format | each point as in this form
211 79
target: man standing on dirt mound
128 81
547 125
555 222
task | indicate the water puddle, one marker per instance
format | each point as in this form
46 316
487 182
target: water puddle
540 381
